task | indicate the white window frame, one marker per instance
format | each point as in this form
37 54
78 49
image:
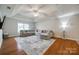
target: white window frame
25 26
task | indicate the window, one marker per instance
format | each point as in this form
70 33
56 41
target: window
23 26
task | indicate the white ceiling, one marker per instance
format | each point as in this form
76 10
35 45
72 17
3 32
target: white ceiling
42 11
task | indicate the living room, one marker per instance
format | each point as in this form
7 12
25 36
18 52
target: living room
32 25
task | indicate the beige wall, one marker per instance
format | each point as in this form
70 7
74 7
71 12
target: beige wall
72 30
11 26
50 24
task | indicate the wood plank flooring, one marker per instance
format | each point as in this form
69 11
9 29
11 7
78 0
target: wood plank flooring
60 47
63 47
9 47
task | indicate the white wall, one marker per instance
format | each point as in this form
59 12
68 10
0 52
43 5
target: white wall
72 31
1 38
10 26
50 24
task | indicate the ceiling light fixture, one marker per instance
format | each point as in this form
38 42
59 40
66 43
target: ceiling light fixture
36 14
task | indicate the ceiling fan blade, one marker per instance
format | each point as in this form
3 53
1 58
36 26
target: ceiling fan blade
41 6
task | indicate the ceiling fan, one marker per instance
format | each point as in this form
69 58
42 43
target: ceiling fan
36 10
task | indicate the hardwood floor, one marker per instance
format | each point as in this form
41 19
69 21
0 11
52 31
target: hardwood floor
9 47
60 47
63 47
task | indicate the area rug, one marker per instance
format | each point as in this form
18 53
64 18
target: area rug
33 45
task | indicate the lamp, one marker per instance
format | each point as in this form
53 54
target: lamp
64 26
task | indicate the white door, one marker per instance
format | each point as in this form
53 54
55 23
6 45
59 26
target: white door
0 38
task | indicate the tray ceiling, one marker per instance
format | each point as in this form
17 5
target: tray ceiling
36 11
